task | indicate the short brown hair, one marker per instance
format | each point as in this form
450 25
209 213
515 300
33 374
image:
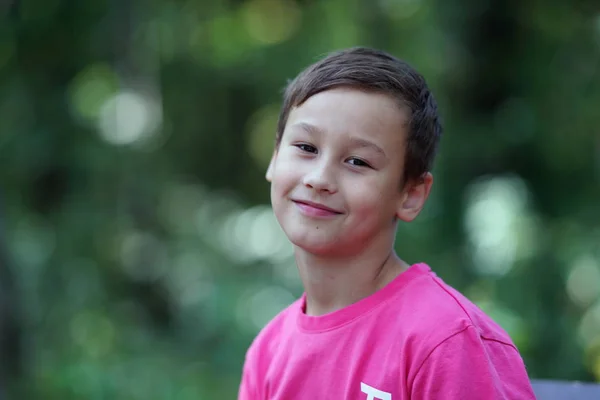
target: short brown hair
374 70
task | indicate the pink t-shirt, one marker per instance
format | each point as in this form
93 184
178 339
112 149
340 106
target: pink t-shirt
417 338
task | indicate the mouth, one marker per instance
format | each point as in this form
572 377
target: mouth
316 209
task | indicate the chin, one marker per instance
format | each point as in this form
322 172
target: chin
323 245
318 250
312 242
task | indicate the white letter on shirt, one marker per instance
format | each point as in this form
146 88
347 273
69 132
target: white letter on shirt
373 393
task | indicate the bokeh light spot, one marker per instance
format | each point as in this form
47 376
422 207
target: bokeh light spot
401 9
128 117
262 129
93 332
254 234
499 226
271 21
90 89
589 327
229 42
583 283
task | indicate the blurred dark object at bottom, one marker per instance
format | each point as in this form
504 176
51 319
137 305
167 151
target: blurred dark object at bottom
555 390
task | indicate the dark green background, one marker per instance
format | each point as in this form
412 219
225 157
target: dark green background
138 253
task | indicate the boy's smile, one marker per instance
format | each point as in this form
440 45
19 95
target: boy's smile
336 174
315 210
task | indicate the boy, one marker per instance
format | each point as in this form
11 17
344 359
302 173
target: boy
355 143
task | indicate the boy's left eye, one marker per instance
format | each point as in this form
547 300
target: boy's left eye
358 162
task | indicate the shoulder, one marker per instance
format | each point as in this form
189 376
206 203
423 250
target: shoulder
439 311
471 367
451 337
426 314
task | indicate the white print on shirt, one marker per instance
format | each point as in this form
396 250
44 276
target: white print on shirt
373 394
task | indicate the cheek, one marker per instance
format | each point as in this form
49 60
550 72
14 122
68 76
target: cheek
283 183
285 177
374 204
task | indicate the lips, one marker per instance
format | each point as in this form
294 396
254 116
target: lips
313 209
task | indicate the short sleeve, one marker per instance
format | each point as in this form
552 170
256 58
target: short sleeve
466 366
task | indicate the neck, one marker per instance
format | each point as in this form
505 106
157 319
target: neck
332 283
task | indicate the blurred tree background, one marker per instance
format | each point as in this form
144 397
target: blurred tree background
138 252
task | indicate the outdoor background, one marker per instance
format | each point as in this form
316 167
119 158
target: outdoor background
138 252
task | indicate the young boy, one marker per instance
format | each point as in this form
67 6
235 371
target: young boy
355 143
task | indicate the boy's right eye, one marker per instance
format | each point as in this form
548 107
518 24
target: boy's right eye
307 148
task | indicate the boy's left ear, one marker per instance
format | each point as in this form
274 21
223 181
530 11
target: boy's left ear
414 196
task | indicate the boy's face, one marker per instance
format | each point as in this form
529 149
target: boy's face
337 171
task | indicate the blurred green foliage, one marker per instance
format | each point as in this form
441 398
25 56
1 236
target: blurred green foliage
138 252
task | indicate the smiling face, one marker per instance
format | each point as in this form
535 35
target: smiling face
336 174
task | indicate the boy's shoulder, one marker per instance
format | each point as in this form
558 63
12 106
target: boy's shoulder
432 310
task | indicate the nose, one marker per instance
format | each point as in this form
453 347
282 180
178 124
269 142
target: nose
321 178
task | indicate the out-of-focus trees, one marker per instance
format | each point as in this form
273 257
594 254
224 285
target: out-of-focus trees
139 255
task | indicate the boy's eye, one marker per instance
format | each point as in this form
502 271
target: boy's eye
307 148
358 162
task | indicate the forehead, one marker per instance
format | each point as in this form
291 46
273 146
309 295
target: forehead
347 112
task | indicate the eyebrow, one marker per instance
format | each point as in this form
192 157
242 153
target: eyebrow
356 142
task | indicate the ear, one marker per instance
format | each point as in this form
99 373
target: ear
269 175
414 195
